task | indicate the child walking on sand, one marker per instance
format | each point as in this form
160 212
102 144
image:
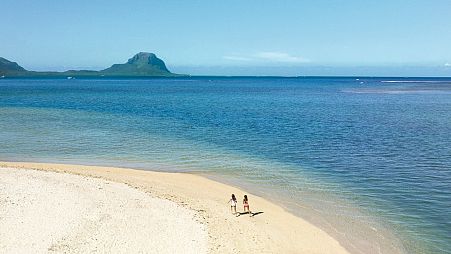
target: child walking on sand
246 205
233 203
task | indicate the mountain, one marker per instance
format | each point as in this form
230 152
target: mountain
9 67
142 64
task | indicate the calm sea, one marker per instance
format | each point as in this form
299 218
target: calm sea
367 159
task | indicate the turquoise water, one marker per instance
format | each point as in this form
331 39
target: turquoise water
371 152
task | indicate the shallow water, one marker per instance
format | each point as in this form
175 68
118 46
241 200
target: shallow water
339 151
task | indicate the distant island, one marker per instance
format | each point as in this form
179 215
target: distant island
142 64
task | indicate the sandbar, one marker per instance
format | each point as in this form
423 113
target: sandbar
77 209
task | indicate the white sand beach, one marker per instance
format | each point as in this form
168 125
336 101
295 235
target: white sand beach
77 209
51 212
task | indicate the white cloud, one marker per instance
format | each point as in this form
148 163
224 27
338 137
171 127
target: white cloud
237 58
268 56
280 57
447 64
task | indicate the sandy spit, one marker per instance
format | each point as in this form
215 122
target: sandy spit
78 209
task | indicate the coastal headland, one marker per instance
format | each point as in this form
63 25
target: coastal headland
142 64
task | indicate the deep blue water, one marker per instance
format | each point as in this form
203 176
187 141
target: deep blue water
334 150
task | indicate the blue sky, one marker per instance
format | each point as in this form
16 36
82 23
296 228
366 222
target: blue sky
335 37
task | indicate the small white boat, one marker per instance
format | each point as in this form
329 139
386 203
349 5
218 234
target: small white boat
70 77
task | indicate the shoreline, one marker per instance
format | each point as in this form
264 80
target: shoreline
272 229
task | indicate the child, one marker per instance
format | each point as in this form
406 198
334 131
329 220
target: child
233 203
246 205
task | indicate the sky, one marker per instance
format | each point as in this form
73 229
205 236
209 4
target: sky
234 37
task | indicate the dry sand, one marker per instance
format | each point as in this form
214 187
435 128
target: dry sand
105 209
51 212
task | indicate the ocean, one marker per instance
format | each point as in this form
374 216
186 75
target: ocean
366 159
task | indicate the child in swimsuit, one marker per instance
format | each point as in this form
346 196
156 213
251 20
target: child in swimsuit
233 203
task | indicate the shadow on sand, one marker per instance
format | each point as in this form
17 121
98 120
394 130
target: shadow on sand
252 214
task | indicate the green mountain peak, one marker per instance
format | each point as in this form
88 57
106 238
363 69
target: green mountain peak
143 63
7 66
